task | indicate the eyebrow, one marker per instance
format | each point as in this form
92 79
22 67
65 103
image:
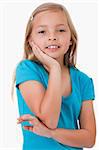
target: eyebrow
46 25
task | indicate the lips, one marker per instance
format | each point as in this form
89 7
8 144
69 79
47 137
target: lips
53 46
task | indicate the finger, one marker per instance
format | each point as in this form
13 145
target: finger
26 117
33 47
36 47
39 54
29 128
33 44
34 122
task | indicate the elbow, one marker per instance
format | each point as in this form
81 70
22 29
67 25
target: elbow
92 140
51 124
91 144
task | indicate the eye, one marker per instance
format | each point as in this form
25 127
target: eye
41 31
61 30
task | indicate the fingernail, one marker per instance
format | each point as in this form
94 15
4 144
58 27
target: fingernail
31 122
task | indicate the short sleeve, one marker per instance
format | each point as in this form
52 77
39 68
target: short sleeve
27 70
87 88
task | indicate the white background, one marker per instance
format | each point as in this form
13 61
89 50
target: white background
13 19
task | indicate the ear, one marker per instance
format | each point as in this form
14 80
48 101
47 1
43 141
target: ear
30 39
30 42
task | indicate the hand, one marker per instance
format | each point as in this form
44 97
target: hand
47 61
38 127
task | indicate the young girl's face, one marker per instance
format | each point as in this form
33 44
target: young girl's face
51 33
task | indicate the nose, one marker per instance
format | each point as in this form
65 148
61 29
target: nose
52 37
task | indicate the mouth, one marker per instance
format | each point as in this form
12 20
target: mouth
52 47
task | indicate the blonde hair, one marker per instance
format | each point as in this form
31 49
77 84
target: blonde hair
70 56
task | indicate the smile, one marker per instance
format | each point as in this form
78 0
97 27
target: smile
53 46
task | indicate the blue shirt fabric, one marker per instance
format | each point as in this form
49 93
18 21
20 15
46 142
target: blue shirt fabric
82 89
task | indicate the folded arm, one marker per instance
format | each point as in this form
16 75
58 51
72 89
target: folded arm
83 137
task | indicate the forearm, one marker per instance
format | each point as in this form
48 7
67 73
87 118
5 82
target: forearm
51 103
73 138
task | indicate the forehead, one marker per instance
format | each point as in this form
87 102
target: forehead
50 17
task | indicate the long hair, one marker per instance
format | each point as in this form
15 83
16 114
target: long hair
70 56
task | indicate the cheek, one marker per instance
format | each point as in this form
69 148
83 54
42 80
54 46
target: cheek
66 44
36 38
38 41
66 41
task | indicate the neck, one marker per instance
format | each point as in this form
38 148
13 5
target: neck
61 62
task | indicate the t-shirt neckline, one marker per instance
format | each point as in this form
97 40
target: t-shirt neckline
71 80
70 72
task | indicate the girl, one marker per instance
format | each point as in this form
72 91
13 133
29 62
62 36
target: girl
55 98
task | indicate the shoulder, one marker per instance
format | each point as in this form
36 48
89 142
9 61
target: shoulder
27 64
28 70
84 83
80 75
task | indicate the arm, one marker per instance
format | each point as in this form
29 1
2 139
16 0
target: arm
45 104
51 103
84 137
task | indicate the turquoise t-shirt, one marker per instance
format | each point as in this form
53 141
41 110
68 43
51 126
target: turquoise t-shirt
82 89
